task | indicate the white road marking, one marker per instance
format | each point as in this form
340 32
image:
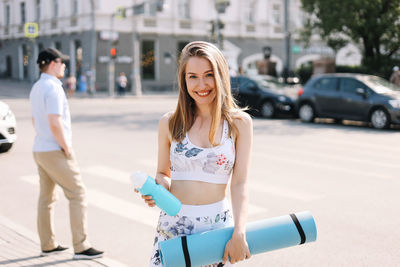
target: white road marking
283 192
139 213
109 173
320 165
298 150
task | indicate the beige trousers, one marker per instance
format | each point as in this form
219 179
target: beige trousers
55 168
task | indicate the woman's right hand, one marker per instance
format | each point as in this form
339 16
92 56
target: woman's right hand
147 199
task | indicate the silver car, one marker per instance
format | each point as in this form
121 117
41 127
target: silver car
7 127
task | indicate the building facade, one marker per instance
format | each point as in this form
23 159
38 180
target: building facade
87 29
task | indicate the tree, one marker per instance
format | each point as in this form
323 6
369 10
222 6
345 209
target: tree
374 25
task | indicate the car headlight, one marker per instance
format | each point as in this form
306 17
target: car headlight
282 98
7 116
395 103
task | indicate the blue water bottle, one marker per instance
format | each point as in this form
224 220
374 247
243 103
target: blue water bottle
147 185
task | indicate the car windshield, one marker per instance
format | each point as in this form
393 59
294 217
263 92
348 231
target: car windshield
267 84
379 85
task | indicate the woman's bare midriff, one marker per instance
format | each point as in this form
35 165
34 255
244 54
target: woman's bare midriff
198 193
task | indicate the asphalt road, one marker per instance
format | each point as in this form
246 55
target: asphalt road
348 176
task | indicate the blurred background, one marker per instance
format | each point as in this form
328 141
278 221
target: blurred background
291 39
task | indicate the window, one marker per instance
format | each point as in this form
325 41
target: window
74 7
250 12
7 15
37 10
276 14
184 9
349 85
181 45
55 8
58 46
147 63
40 47
326 84
23 17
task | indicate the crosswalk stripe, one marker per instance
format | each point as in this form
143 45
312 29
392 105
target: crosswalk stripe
109 173
321 165
138 213
298 150
123 177
283 192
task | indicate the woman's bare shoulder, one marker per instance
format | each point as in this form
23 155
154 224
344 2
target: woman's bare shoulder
242 119
165 118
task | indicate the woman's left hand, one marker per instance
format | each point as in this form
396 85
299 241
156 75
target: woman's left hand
236 249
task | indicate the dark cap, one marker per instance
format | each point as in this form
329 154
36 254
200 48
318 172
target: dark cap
49 54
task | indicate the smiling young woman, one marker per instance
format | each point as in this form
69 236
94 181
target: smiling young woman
202 145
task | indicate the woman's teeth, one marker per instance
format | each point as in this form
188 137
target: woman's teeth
203 93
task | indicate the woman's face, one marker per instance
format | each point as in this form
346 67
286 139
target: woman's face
200 82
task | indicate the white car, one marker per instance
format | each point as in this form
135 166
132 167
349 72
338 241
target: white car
7 127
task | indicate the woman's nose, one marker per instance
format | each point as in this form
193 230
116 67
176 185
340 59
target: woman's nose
202 82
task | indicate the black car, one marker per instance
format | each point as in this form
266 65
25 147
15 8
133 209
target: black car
260 98
356 97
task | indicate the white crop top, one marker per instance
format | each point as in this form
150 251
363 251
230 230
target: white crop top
211 165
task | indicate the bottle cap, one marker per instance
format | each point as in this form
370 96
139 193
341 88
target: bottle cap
138 179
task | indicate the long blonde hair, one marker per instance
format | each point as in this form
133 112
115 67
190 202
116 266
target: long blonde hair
224 104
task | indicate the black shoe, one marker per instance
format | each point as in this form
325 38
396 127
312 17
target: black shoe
88 254
53 251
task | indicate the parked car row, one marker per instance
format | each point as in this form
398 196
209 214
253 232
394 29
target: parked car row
262 97
7 127
340 96
356 97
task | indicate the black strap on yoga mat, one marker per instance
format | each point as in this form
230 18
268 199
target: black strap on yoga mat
299 228
185 251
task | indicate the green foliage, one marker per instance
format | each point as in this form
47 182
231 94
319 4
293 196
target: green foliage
373 24
304 72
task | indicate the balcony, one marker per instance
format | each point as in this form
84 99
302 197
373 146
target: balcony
74 21
150 22
185 24
53 24
250 28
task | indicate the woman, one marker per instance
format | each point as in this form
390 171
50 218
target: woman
204 143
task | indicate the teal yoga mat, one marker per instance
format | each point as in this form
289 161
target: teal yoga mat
262 236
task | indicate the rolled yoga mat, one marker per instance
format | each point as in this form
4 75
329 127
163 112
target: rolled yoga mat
262 236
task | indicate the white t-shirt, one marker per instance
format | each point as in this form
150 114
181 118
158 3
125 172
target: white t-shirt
48 97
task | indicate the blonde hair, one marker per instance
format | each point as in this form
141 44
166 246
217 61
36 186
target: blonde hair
224 104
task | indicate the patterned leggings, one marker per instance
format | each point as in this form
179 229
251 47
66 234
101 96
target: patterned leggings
191 219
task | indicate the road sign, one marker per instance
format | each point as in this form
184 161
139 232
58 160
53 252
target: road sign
121 14
31 29
296 49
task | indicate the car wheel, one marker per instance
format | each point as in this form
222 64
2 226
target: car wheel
306 112
267 109
5 147
380 119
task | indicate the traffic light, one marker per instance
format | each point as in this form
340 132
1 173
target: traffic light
113 52
160 5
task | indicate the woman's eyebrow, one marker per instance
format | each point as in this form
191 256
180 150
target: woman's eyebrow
196 73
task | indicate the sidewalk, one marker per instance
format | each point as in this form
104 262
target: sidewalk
20 89
20 247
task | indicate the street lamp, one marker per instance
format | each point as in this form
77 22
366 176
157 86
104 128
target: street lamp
92 86
220 6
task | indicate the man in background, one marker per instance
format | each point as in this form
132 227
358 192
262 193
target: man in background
55 159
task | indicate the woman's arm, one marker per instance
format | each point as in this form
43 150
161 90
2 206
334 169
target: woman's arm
163 163
237 248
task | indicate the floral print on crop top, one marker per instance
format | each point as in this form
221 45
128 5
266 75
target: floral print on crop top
211 165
